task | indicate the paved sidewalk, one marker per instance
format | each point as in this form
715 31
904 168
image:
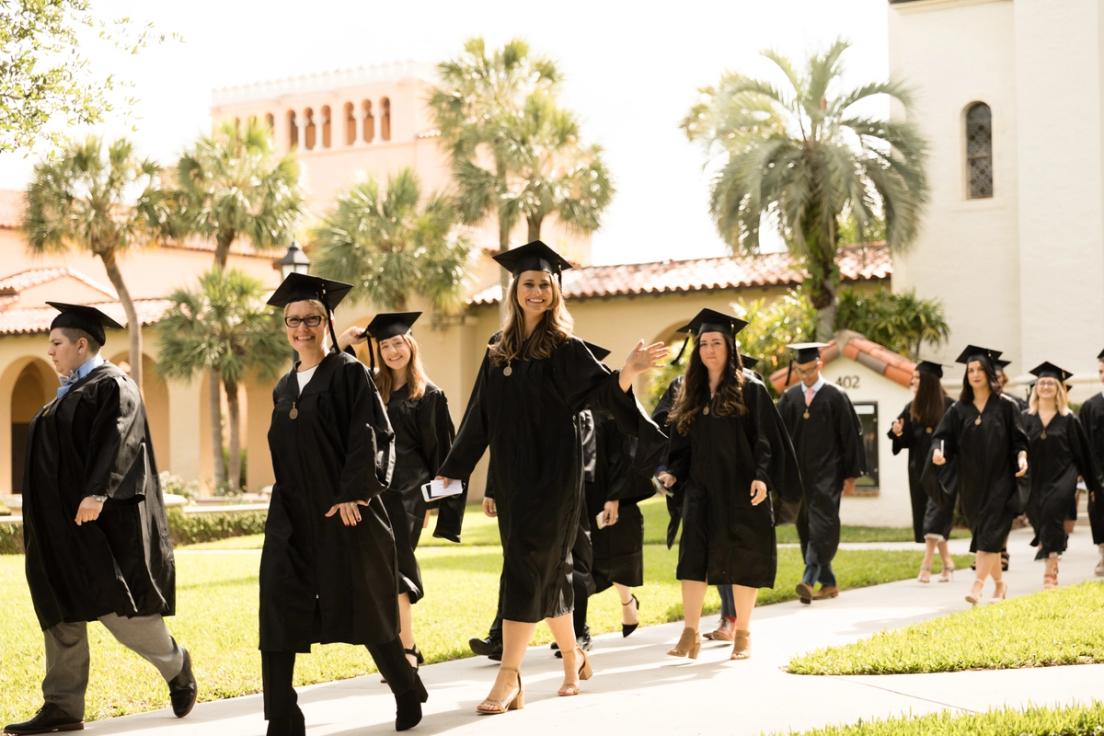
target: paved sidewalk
637 689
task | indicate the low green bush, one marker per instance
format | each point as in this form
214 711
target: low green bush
11 538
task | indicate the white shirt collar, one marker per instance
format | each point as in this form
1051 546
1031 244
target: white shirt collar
816 386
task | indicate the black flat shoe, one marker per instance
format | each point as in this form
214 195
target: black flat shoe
408 705
182 689
627 629
49 719
489 647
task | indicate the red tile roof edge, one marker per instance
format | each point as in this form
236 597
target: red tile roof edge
877 358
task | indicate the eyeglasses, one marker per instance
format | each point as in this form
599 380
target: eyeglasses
311 321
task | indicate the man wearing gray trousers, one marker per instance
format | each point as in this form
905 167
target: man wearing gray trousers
94 526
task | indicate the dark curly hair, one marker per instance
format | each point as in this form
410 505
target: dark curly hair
693 396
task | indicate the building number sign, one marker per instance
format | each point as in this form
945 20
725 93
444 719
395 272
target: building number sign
848 382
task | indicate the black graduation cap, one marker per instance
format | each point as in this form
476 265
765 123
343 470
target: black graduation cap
1001 363
83 317
709 320
749 362
1100 355
931 368
806 352
535 256
390 324
600 353
298 287
1046 369
971 352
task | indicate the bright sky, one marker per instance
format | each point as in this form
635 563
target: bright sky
632 71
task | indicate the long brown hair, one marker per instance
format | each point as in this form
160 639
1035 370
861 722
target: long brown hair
416 378
930 401
693 396
967 394
555 328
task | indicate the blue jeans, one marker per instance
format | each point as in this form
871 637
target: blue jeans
728 605
816 572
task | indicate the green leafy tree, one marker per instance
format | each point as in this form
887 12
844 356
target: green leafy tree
99 200
806 158
514 153
223 326
901 322
393 244
45 75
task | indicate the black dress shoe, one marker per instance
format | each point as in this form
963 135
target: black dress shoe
408 705
182 689
49 719
489 647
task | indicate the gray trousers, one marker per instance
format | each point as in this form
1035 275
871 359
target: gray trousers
67 655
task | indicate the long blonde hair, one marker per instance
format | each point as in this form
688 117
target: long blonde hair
1061 399
554 329
416 378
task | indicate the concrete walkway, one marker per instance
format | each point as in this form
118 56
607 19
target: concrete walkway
638 689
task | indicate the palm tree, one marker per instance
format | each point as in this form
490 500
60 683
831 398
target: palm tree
223 327
393 245
807 158
231 185
477 106
98 200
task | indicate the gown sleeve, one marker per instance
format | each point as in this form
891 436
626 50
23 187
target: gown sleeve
945 436
678 455
776 459
849 435
1082 456
903 442
474 435
117 439
369 447
437 432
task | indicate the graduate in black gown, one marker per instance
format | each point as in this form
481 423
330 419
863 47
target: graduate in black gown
827 437
1092 420
328 565
980 449
729 445
534 380
419 415
912 430
1059 451
94 527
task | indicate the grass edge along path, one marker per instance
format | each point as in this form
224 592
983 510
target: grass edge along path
1076 720
1063 626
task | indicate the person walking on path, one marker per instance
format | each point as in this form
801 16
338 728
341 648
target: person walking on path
979 450
419 416
1092 420
729 444
534 380
328 564
932 512
1059 451
94 527
827 437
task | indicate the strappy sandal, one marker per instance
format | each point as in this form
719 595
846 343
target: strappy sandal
514 700
585 673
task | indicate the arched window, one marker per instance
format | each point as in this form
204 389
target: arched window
293 130
326 139
270 122
385 119
979 151
309 129
350 124
369 126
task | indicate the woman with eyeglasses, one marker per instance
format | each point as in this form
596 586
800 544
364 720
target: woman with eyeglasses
328 569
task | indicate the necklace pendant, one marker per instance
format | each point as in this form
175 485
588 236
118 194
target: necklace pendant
294 413
929 430
508 370
805 415
977 422
705 411
1043 435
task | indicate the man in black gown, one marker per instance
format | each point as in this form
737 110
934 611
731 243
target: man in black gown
827 437
1092 419
94 526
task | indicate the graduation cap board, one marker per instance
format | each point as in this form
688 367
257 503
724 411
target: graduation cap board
749 362
1100 355
1046 369
709 320
534 256
931 368
600 353
83 317
391 324
806 352
973 352
298 287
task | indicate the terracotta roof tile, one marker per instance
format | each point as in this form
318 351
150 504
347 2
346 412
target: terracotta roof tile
17 282
877 358
857 263
31 320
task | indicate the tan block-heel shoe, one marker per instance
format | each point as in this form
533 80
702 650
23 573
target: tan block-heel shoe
514 700
585 673
688 645
741 644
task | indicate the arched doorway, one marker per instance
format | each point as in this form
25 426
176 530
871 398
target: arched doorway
35 384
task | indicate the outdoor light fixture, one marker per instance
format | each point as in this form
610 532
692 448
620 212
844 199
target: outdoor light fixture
294 261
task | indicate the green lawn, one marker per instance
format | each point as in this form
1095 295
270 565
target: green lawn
217 619
1069 721
1054 627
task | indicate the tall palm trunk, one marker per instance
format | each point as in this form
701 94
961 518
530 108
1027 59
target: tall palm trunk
134 327
503 275
534 227
234 410
214 391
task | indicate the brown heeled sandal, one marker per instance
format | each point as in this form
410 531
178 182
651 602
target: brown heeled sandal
585 673
513 701
688 645
975 592
741 644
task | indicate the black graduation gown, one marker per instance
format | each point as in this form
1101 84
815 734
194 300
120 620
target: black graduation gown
322 581
829 449
95 441
719 457
981 466
582 550
1059 453
932 512
618 549
674 493
528 420
1092 421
